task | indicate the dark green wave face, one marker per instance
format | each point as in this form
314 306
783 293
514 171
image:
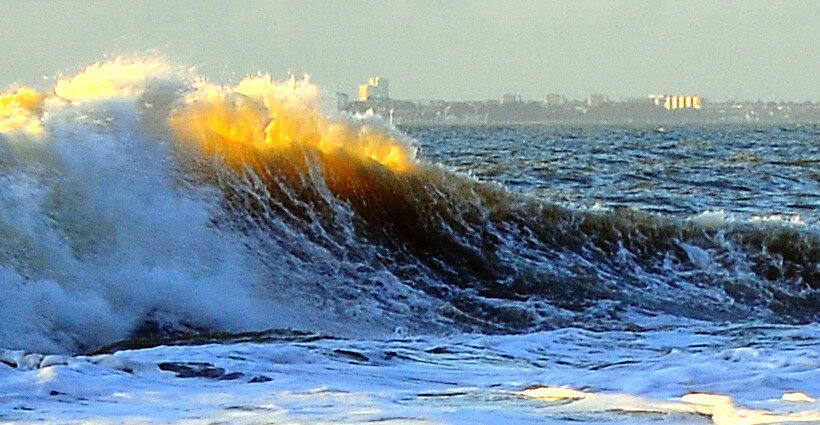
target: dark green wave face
713 222
506 255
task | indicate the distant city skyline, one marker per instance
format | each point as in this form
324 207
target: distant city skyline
455 50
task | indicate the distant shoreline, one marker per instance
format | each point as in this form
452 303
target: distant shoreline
649 125
635 112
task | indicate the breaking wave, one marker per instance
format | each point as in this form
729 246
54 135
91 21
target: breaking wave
138 199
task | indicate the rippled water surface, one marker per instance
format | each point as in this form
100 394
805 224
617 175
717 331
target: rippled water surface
749 171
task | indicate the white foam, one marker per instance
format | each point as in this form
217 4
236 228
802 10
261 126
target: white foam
103 227
794 220
684 375
98 233
712 219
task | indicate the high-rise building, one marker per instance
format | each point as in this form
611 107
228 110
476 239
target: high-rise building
374 88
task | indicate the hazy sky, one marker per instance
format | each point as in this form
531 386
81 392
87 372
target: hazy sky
743 49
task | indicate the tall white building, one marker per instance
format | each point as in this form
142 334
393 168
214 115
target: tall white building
374 88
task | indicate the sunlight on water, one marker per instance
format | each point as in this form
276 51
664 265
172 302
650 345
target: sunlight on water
721 409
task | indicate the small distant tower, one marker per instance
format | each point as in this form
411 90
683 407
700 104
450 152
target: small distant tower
374 88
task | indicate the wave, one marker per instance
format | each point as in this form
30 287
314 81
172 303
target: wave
140 200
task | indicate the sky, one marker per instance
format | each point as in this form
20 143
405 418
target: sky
454 50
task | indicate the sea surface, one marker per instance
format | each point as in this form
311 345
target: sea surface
174 251
746 171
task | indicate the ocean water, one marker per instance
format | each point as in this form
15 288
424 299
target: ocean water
176 251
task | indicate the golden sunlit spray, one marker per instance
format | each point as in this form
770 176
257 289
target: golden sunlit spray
20 111
261 118
250 125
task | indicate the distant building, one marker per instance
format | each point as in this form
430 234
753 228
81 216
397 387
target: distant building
555 100
657 99
596 100
374 88
510 98
670 102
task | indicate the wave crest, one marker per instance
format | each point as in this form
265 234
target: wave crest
138 198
